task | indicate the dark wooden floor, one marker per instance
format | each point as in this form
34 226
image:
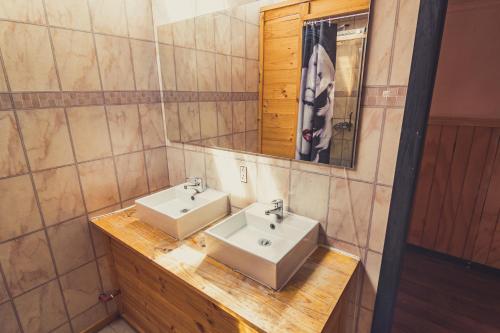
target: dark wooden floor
438 295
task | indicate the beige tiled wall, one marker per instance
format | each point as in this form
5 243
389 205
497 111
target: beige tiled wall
212 53
352 205
59 165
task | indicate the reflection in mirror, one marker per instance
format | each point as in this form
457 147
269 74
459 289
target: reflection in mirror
306 105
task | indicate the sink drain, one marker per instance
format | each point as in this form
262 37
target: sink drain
184 210
264 242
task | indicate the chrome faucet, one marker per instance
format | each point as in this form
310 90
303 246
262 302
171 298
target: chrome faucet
277 209
195 183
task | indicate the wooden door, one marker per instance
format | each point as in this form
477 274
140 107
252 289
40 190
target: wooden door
281 39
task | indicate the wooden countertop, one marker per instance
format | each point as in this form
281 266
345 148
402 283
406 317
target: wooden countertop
303 305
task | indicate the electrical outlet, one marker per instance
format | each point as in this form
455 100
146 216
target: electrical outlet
243 174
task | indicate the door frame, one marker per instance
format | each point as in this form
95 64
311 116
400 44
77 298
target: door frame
429 31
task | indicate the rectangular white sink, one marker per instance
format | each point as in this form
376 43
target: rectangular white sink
258 247
176 212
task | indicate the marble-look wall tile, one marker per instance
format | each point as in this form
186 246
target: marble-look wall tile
80 288
105 264
403 43
238 116
42 309
223 174
225 141
251 114
145 68
3 292
380 43
370 283
185 69
189 117
46 137
205 63
205 35
23 10
195 164
109 16
349 211
172 121
3 83
272 183
12 161
239 141
89 131
252 12
252 41
89 317
184 33
176 170
156 164
71 244
28 57
223 72
125 128
99 184
9 320
251 141
21 271
18 207
222 27
115 63
167 67
208 119
237 38
237 74
380 216
308 193
165 33
251 76
132 178
101 240
140 19
68 14
59 194
76 60
368 147
224 118
63 329
152 125
390 146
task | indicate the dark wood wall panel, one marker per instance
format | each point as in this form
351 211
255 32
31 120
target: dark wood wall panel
457 202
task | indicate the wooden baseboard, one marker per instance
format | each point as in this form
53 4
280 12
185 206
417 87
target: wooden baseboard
101 324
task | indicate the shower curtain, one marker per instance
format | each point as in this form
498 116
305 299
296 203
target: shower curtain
317 87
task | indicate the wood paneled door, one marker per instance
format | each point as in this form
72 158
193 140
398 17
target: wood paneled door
457 203
280 67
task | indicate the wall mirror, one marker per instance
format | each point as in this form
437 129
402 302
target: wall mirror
280 78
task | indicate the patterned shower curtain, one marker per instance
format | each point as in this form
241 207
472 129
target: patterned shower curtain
317 87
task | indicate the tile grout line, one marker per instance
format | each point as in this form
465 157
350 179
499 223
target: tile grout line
92 240
105 105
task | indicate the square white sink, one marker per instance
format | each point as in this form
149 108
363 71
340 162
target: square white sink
176 212
257 246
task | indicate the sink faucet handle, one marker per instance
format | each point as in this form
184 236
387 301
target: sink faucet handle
194 180
278 203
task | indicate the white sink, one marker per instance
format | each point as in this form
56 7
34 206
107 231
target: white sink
247 242
175 212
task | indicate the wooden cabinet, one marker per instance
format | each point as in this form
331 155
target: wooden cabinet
280 67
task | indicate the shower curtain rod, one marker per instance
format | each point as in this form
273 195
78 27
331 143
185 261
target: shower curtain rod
333 18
